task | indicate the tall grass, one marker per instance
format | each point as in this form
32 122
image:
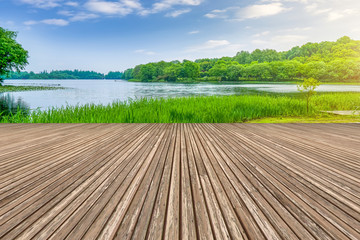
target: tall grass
336 101
213 109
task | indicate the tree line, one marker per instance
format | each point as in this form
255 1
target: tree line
327 61
65 74
337 61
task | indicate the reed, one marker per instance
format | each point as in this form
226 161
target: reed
203 109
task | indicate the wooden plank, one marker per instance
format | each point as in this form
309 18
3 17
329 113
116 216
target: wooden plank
180 181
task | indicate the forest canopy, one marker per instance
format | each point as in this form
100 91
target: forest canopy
326 61
65 74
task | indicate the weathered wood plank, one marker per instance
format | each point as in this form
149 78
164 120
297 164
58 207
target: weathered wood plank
180 181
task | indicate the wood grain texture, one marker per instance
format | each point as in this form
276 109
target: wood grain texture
180 181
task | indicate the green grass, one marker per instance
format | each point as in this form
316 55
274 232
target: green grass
9 88
319 118
341 83
213 109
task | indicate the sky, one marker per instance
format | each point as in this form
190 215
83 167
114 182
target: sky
113 35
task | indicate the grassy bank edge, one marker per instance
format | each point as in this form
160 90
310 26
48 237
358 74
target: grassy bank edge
321 118
10 88
243 108
242 82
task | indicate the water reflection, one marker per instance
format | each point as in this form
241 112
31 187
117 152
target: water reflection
9 105
80 92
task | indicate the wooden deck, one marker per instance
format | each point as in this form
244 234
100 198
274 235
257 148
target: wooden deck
180 181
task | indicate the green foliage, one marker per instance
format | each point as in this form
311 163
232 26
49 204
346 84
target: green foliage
308 87
191 70
172 72
114 75
326 61
128 74
12 56
65 74
213 109
219 70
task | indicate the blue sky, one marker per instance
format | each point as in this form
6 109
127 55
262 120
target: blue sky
108 35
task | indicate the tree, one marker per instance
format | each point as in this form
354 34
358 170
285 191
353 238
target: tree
235 71
259 71
308 87
147 72
191 70
114 75
12 56
219 70
172 72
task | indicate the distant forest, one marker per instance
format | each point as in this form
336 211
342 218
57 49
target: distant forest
66 74
337 61
326 61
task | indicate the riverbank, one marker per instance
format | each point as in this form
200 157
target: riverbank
318 118
212 109
10 88
201 80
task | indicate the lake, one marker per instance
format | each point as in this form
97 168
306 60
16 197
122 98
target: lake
107 91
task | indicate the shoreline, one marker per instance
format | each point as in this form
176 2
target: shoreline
198 81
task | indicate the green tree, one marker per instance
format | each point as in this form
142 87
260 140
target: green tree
258 71
172 72
12 56
219 70
235 71
317 69
191 70
243 57
147 72
308 87
128 73
114 75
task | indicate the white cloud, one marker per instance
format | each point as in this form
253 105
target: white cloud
164 5
296 1
143 51
335 15
289 39
177 13
77 16
30 22
122 7
216 43
72 4
296 29
83 16
167 4
54 21
249 12
259 42
262 34
211 44
65 13
214 48
217 13
194 32
280 42
43 3
258 11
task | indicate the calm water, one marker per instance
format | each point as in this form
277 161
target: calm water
107 91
